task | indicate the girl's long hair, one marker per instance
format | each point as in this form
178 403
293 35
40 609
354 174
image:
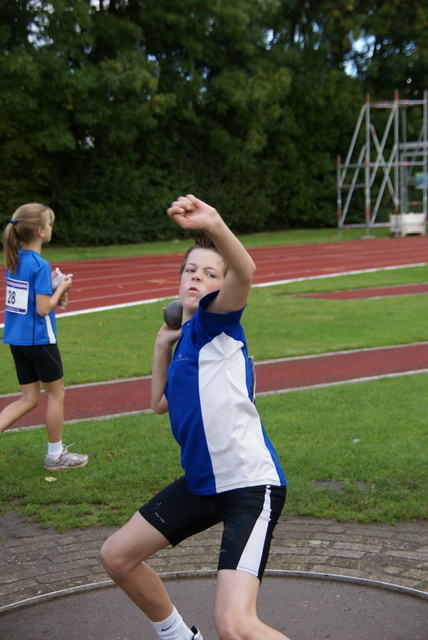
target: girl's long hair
21 229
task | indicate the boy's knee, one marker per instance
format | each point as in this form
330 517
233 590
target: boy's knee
229 629
110 559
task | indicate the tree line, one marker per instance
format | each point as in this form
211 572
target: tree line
109 109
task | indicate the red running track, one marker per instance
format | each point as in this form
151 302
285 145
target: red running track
122 397
124 281
109 282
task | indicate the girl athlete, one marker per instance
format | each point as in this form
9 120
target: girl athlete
30 328
232 473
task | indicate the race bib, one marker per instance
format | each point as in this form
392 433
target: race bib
16 296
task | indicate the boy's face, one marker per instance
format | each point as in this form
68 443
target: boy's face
203 273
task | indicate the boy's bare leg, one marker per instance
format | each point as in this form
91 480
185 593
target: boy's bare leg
123 555
235 614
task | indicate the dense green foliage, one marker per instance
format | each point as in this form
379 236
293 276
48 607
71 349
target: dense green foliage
110 109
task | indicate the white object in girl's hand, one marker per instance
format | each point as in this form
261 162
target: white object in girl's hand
57 276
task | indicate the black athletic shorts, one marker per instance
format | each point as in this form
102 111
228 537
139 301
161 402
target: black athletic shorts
249 516
37 362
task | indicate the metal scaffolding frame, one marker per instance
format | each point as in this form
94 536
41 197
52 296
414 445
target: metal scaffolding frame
389 164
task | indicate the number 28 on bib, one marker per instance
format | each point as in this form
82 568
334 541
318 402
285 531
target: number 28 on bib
16 296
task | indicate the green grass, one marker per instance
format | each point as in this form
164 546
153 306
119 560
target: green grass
281 326
371 436
363 435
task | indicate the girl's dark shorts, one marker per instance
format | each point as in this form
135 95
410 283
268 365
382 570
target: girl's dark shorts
249 516
37 362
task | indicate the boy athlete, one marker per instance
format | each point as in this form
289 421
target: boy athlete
203 376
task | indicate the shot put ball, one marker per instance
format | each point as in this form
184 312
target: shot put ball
173 314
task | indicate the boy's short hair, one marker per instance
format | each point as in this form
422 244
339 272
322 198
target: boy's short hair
202 241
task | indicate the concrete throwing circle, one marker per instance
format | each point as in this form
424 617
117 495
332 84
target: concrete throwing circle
298 605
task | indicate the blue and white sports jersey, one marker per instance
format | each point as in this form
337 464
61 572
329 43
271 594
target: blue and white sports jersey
22 324
223 442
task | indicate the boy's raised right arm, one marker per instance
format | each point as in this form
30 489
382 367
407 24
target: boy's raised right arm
191 213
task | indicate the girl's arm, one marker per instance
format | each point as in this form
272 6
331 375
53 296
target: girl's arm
191 213
45 303
162 356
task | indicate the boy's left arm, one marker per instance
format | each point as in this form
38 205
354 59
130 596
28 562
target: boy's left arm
162 356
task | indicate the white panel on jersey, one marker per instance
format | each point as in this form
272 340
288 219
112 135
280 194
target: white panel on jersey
232 424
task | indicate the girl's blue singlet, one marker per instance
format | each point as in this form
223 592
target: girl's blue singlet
22 325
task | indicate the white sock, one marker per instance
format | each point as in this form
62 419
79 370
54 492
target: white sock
54 449
173 628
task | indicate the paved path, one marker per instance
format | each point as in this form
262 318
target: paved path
36 561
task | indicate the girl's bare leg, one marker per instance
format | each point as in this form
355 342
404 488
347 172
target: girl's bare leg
14 411
55 409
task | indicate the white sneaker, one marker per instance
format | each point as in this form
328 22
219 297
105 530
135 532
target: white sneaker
66 460
197 635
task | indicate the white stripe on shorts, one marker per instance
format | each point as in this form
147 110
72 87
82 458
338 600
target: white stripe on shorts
252 554
50 331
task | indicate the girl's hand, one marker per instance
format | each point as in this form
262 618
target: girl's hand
60 281
65 284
